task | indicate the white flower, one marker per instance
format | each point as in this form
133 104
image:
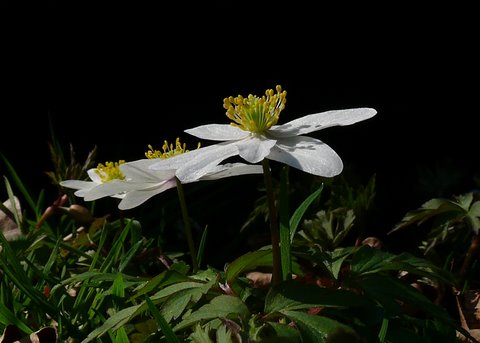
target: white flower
141 183
254 136
136 182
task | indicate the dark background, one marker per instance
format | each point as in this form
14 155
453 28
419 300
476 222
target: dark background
121 78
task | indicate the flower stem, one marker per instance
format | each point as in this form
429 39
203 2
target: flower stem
274 229
188 227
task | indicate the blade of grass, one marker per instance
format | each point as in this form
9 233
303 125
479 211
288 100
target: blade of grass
286 259
13 270
23 190
201 247
300 211
166 329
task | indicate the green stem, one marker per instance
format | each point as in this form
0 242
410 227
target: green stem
188 227
274 229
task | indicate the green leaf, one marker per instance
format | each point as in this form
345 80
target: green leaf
389 291
223 306
121 336
315 328
176 304
336 258
371 261
248 261
300 211
166 329
13 270
118 286
293 295
200 335
223 335
161 280
474 217
112 323
8 318
285 254
284 333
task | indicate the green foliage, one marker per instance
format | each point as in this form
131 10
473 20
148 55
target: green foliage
104 280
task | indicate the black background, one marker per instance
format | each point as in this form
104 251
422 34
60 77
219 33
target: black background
121 78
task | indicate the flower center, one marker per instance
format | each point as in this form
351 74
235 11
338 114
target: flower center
168 150
110 171
256 114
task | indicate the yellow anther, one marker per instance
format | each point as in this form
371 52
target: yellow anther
110 171
256 114
168 150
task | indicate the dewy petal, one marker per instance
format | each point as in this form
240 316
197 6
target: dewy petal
308 154
232 169
319 121
218 132
255 148
137 197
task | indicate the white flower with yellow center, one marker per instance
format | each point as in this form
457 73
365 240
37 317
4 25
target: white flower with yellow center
141 182
254 135
104 173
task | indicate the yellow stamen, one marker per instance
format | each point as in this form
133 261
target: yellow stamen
168 150
256 114
110 171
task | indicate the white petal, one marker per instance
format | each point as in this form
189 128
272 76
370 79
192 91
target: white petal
137 197
232 169
139 171
92 173
78 184
180 160
112 188
201 164
308 154
218 132
255 148
319 121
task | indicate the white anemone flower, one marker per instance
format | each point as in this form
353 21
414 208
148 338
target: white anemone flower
104 173
254 135
140 183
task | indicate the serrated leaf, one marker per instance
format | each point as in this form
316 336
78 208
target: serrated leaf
293 295
315 328
390 290
223 306
112 323
336 258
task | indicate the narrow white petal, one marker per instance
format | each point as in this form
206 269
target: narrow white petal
111 188
319 121
255 148
137 197
218 132
232 169
308 154
78 184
